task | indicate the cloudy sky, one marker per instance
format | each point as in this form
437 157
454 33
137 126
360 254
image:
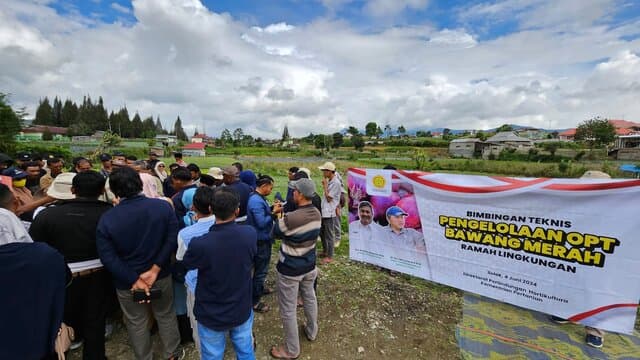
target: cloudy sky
323 65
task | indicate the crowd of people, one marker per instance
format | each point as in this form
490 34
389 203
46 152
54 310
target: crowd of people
174 250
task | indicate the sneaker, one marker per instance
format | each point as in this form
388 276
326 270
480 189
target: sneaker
558 320
595 341
336 244
76 344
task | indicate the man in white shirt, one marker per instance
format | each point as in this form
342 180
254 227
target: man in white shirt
364 229
330 204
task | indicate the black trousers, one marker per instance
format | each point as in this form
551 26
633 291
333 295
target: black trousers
85 310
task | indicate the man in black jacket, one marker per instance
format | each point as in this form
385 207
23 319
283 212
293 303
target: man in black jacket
70 228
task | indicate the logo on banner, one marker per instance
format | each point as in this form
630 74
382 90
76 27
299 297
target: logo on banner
379 182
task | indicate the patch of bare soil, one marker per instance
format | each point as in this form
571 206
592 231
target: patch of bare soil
364 313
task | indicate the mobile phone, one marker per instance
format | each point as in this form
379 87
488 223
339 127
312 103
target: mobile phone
141 295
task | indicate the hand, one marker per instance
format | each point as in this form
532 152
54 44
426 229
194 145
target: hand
141 285
150 276
325 182
277 208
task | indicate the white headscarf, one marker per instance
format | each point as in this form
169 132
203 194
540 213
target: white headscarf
162 174
11 229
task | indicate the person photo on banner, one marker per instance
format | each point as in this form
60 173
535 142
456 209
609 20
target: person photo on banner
364 229
400 236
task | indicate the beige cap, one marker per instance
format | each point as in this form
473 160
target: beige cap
61 187
328 166
215 172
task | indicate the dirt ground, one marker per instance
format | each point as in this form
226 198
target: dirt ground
364 313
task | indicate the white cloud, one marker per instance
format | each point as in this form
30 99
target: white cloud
120 8
179 58
387 8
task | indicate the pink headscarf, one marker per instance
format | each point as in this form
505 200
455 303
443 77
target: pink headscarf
149 185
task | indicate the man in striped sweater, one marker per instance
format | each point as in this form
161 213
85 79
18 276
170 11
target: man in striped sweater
296 267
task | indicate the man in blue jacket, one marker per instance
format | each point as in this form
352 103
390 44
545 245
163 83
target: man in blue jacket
260 216
224 259
135 241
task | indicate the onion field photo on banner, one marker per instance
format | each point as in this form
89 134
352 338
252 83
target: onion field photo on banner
384 223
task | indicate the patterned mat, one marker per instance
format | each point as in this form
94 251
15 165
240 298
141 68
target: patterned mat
494 330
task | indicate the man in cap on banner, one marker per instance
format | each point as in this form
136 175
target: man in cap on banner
397 234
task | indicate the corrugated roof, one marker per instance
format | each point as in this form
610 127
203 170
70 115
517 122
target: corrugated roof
506 136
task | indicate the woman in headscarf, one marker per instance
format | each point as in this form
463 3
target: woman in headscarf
159 171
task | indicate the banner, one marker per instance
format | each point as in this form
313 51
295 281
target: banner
567 247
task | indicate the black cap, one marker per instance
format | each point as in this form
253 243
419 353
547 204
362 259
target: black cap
118 153
105 157
23 156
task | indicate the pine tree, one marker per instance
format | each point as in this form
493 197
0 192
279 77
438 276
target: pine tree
285 133
44 113
57 112
148 128
136 126
10 124
159 128
69 113
179 131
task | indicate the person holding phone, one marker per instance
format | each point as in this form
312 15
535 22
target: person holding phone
135 241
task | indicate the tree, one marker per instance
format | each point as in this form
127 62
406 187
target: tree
387 129
323 142
597 132
179 131
238 134
353 130
446 132
44 113
337 140
148 128
504 127
47 135
159 128
401 130
371 129
136 126
57 112
69 113
225 137
285 133
358 142
422 133
481 135
10 124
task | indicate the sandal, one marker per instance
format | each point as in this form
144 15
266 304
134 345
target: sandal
279 352
261 307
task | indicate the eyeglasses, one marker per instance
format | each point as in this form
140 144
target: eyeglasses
160 165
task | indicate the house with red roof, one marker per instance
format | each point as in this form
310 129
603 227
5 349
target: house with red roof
194 149
567 135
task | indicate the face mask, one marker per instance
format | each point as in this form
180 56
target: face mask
19 183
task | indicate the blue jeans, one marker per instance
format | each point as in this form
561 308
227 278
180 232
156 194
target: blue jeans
261 266
212 342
